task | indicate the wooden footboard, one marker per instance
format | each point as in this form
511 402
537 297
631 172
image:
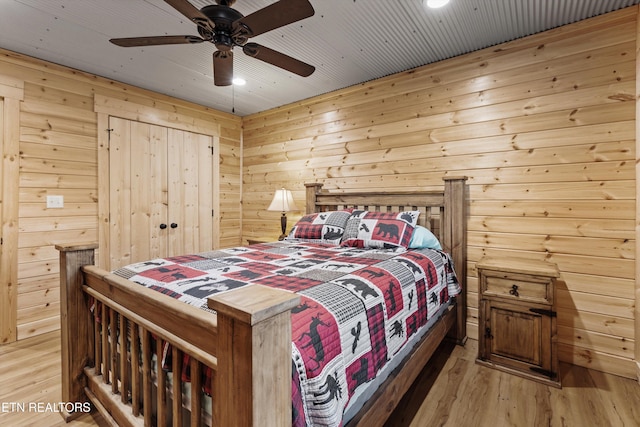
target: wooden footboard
115 332
112 328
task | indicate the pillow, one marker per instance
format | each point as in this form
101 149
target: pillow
321 227
423 238
367 229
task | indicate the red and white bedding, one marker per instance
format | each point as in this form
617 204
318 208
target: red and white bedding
359 307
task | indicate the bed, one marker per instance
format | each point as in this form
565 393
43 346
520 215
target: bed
135 353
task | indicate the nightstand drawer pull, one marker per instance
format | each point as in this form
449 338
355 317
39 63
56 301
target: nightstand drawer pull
514 291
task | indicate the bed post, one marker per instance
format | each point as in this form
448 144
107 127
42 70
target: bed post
455 243
253 384
313 189
74 322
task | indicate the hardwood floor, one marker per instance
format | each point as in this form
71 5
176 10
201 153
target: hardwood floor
456 393
30 384
460 393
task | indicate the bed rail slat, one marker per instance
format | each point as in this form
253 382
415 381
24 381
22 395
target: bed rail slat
196 396
147 384
97 351
135 370
122 371
176 386
106 359
161 389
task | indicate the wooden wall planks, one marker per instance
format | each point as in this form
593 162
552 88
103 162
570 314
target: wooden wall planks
545 129
58 134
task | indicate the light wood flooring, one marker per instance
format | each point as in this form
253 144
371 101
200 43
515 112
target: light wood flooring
456 393
459 393
30 376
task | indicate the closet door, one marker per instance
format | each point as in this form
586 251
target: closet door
161 192
190 195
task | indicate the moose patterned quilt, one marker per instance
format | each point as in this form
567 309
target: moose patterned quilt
359 307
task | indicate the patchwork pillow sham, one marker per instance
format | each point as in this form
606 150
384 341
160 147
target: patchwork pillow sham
366 229
321 227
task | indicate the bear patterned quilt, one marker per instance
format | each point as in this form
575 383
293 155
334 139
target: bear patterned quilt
359 307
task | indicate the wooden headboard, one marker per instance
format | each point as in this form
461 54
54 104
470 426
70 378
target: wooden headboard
436 207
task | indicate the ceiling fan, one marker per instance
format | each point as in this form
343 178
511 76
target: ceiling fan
227 28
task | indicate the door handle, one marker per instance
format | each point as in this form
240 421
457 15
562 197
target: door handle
163 226
174 225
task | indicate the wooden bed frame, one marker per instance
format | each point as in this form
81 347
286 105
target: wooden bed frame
247 344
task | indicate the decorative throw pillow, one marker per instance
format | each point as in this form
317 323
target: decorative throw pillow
321 227
423 238
366 229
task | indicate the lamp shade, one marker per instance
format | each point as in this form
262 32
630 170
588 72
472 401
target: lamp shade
282 202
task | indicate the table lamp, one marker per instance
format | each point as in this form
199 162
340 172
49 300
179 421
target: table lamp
283 202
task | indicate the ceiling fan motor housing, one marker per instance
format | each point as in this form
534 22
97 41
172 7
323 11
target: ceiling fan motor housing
223 17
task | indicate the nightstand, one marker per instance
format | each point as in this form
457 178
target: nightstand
517 318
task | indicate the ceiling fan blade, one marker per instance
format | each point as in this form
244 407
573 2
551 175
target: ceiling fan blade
155 40
222 68
278 59
274 16
191 12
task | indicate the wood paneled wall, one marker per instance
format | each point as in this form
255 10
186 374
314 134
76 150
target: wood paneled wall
544 127
58 134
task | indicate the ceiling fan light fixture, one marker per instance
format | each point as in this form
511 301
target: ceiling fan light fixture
435 4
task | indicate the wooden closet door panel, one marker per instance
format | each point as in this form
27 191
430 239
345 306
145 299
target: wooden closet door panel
190 192
148 191
119 192
159 187
140 191
206 159
175 189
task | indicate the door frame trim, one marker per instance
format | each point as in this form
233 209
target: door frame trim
12 94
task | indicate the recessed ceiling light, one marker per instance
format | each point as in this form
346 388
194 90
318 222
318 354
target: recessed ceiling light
238 81
434 4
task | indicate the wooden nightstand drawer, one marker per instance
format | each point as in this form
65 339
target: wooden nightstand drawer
517 286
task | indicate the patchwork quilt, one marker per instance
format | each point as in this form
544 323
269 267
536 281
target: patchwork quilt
359 307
